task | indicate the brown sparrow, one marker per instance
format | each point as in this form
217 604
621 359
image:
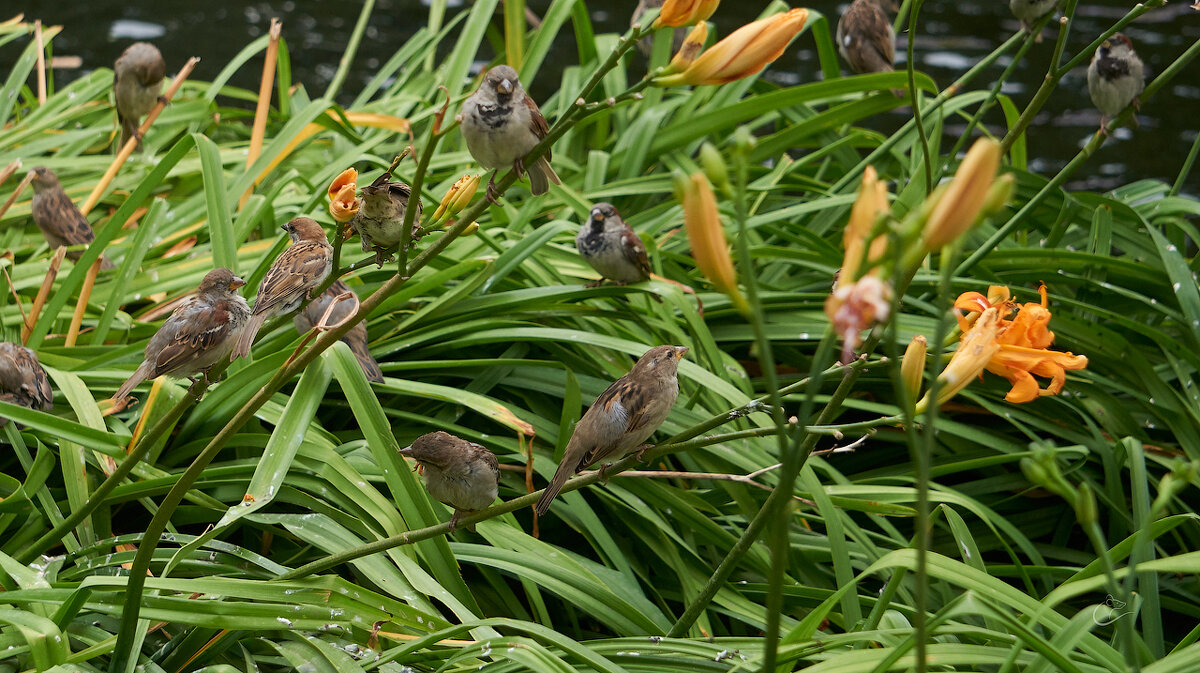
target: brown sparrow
622 417
137 84
458 473
356 338
22 379
1029 11
1116 78
380 219
501 124
865 38
198 334
297 271
611 247
58 218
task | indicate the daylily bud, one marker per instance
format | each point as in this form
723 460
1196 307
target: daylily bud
344 205
999 195
470 229
961 203
744 52
457 197
872 200
714 166
1085 505
912 365
692 45
707 236
677 13
346 177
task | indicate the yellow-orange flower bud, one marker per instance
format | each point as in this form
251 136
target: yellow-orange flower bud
457 197
346 177
344 205
872 201
676 13
692 45
913 365
744 52
707 236
963 200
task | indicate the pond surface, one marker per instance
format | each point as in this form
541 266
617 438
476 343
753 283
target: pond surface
953 35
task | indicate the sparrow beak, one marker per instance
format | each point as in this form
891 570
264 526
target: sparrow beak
505 87
597 215
284 227
680 351
406 451
236 283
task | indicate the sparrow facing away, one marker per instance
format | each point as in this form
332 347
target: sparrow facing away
501 124
611 247
1029 11
137 83
1116 78
380 220
865 38
22 379
356 338
58 217
295 272
622 417
458 473
198 333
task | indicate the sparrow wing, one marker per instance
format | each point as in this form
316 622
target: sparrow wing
619 411
537 123
635 251
195 327
294 272
64 221
488 458
36 384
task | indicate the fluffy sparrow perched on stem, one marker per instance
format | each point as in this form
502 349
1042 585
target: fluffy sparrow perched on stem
611 247
137 84
621 418
501 124
1116 78
22 379
198 334
295 273
866 39
356 338
380 219
58 217
458 473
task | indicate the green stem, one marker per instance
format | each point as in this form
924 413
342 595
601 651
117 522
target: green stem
410 213
1053 74
913 93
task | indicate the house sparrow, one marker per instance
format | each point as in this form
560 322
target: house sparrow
865 37
1029 11
1115 78
356 338
58 218
198 333
612 247
646 44
458 473
621 418
137 84
296 272
22 379
380 220
501 124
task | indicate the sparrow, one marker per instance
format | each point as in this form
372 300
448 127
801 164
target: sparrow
1116 78
380 219
293 275
611 247
501 124
356 338
622 417
197 335
646 44
22 379
58 218
1029 11
137 85
458 473
865 38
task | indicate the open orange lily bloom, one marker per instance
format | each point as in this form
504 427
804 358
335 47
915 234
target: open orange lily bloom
1023 343
343 203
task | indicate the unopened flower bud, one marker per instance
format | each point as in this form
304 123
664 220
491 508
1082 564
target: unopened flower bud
913 365
714 166
964 198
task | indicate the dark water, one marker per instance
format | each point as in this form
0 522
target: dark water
953 35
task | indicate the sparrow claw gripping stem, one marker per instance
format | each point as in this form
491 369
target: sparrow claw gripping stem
493 194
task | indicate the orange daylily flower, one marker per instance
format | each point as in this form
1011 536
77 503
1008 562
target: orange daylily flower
690 48
678 13
744 52
858 303
965 196
343 204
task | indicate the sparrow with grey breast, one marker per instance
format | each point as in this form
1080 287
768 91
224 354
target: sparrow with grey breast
866 39
22 380
611 247
356 338
197 335
1115 78
137 85
294 274
501 124
458 473
380 220
58 218
621 418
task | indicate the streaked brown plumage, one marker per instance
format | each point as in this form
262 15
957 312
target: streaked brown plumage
865 38
380 219
296 272
58 218
622 417
458 473
22 379
137 86
611 247
356 338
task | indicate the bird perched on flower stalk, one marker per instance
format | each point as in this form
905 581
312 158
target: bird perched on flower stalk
1116 77
458 473
380 218
1029 11
611 247
294 274
501 124
22 379
137 86
356 338
621 418
58 218
197 335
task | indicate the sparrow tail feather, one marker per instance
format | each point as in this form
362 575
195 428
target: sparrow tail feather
143 372
541 174
246 339
369 366
564 471
128 130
